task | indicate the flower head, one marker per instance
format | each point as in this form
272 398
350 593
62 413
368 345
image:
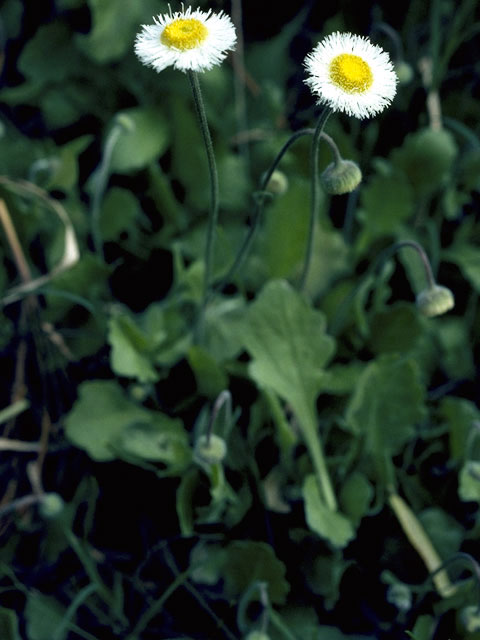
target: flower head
187 40
350 74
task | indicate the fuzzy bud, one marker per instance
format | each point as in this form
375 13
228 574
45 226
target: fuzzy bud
51 506
404 72
257 635
435 301
278 183
210 450
341 177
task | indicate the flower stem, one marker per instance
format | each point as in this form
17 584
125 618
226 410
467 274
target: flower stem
259 204
214 193
315 190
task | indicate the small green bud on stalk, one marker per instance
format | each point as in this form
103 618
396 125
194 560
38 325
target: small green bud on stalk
404 72
435 301
278 183
51 506
341 177
210 449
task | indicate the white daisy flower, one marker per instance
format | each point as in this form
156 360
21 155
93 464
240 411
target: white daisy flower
188 40
350 74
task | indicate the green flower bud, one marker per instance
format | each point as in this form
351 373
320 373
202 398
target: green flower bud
435 301
51 506
404 72
470 618
278 183
341 177
210 450
257 635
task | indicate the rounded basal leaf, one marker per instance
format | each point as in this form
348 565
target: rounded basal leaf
330 525
105 422
426 157
288 343
147 140
388 401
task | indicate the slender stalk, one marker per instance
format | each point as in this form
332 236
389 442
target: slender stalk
101 180
260 201
315 190
214 193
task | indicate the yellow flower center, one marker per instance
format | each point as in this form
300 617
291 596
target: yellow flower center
351 73
184 34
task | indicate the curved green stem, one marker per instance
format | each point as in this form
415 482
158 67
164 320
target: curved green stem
100 185
315 190
214 193
260 201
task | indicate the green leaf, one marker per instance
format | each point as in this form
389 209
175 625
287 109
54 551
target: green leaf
426 157
43 615
132 353
467 258
163 439
246 562
387 403
100 416
120 210
8 625
356 496
50 55
462 417
288 343
387 202
210 376
324 575
328 524
444 531
396 328
148 139
113 28
469 489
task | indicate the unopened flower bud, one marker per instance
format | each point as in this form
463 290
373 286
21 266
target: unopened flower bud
257 635
51 506
210 449
341 177
404 72
470 617
278 183
435 300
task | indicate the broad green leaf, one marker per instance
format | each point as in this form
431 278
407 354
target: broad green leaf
210 376
132 353
444 531
289 345
285 228
324 575
462 417
467 258
469 489
356 496
456 357
113 28
100 416
328 524
387 404
147 140
426 157
44 615
246 562
396 328
163 439
8 624
50 55
120 210
387 202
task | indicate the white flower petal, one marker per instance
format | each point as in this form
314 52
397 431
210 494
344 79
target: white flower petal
362 103
220 39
